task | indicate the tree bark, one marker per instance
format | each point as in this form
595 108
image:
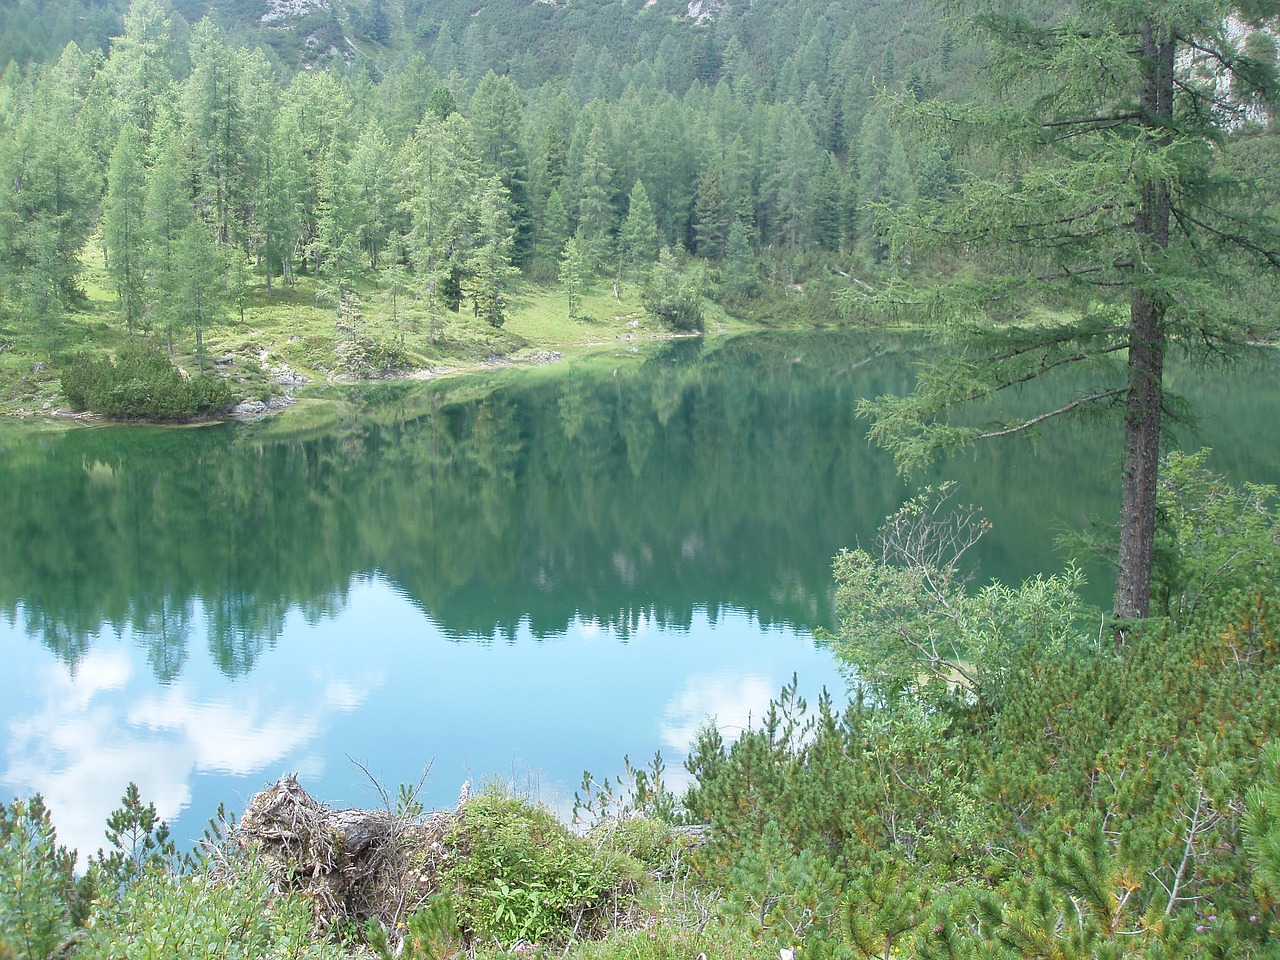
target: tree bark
1145 402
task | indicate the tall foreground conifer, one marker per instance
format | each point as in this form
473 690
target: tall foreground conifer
1106 209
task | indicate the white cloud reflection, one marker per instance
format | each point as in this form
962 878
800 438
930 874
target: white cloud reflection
91 731
732 701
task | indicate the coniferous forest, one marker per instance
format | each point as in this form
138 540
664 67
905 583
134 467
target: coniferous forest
275 187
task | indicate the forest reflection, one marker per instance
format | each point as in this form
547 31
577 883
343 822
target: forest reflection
707 474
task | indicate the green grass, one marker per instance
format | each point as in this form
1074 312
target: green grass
292 328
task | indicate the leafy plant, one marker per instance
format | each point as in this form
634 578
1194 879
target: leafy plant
201 916
673 298
906 612
640 790
521 876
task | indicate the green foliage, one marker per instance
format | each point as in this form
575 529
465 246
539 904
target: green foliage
638 792
141 383
879 908
674 941
38 895
1214 539
365 355
673 297
430 934
907 616
1262 831
520 875
140 842
1099 134
239 917
1091 808
574 272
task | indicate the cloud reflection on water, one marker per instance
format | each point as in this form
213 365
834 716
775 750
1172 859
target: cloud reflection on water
381 682
88 732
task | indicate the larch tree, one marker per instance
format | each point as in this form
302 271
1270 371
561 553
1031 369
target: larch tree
595 203
555 227
139 69
496 118
49 192
490 273
574 271
200 282
167 213
124 223
1107 212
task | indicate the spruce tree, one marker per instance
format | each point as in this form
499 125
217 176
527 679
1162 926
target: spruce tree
639 236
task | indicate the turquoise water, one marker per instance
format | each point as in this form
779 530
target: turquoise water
518 576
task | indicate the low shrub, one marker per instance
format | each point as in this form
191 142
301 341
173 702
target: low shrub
519 875
202 915
40 901
141 383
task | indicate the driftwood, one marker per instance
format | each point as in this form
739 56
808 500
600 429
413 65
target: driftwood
352 865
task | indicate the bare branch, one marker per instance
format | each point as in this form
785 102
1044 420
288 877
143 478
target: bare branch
1079 402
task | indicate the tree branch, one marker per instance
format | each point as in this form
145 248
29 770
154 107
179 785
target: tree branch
1079 402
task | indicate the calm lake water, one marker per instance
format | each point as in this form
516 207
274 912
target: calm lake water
514 575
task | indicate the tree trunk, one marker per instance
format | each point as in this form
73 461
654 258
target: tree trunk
1141 458
1145 402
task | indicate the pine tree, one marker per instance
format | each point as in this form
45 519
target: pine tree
139 840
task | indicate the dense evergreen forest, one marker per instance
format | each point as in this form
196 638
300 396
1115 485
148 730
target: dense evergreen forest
205 160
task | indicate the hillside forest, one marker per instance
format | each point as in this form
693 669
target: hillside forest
188 168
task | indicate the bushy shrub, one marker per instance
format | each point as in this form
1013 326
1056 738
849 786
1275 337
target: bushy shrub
715 941
366 356
202 916
141 383
40 902
521 876
673 298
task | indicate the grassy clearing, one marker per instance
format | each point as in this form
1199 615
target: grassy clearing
263 336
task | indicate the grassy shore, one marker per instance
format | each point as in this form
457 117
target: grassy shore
294 332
